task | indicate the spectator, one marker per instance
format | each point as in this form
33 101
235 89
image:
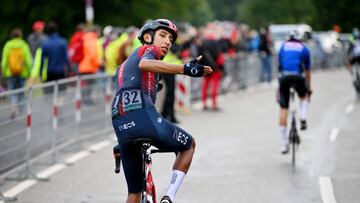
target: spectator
127 47
108 36
16 64
90 63
112 51
168 110
75 50
52 59
37 37
265 55
212 56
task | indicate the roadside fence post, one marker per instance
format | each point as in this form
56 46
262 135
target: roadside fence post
78 106
55 121
107 101
27 173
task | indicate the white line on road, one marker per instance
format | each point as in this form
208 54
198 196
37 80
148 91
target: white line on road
349 108
334 134
13 192
326 189
100 145
51 170
46 173
22 186
76 157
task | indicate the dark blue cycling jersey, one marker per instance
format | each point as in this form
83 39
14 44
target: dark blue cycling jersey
135 89
134 116
294 56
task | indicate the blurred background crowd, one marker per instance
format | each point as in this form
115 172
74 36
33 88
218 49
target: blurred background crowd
54 48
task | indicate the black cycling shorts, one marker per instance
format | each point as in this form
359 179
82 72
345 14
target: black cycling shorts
354 60
285 82
145 123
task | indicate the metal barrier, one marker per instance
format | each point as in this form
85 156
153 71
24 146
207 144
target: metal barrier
244 69
58 113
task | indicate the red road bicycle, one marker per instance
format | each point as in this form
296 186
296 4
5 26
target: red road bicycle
149 194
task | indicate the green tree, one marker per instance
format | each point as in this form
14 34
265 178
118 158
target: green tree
68 13
259 12
343 13
225 9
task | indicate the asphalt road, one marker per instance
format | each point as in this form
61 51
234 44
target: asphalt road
238 156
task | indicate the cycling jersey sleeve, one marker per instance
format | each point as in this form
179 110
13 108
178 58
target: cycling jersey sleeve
280 56
150 52
306 58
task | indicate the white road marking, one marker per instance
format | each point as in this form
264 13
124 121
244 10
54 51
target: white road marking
100 145
46 173
13 192
326 189
76 157
349 108
51 170
334 134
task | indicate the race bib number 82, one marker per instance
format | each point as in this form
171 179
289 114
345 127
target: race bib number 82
131 100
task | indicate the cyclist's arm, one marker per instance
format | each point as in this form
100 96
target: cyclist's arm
307 67
157 66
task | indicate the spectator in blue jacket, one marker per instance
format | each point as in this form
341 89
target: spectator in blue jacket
54 62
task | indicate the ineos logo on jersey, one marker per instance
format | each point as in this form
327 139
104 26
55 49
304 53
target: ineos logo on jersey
127 126
180 137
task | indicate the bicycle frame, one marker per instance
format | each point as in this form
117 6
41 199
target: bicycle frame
149 194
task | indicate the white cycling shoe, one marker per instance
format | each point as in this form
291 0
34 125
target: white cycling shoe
285 149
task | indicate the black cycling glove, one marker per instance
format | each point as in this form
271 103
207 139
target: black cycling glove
193 69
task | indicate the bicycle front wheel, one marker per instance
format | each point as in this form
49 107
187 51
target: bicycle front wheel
144 198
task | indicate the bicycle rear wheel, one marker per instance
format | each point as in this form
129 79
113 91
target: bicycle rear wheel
293 149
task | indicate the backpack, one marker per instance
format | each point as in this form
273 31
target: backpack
16 61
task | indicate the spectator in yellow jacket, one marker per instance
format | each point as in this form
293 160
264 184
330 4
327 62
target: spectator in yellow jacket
16 64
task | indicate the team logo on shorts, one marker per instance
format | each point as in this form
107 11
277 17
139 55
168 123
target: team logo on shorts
127 126
180 137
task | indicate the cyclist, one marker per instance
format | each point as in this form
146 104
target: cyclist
134 114
354 51
294 70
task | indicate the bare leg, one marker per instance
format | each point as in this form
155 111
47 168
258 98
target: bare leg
133 198
184 158
283 117
180 168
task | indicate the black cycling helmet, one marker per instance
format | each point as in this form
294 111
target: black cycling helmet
152 26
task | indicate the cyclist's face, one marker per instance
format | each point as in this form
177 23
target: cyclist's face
164 40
